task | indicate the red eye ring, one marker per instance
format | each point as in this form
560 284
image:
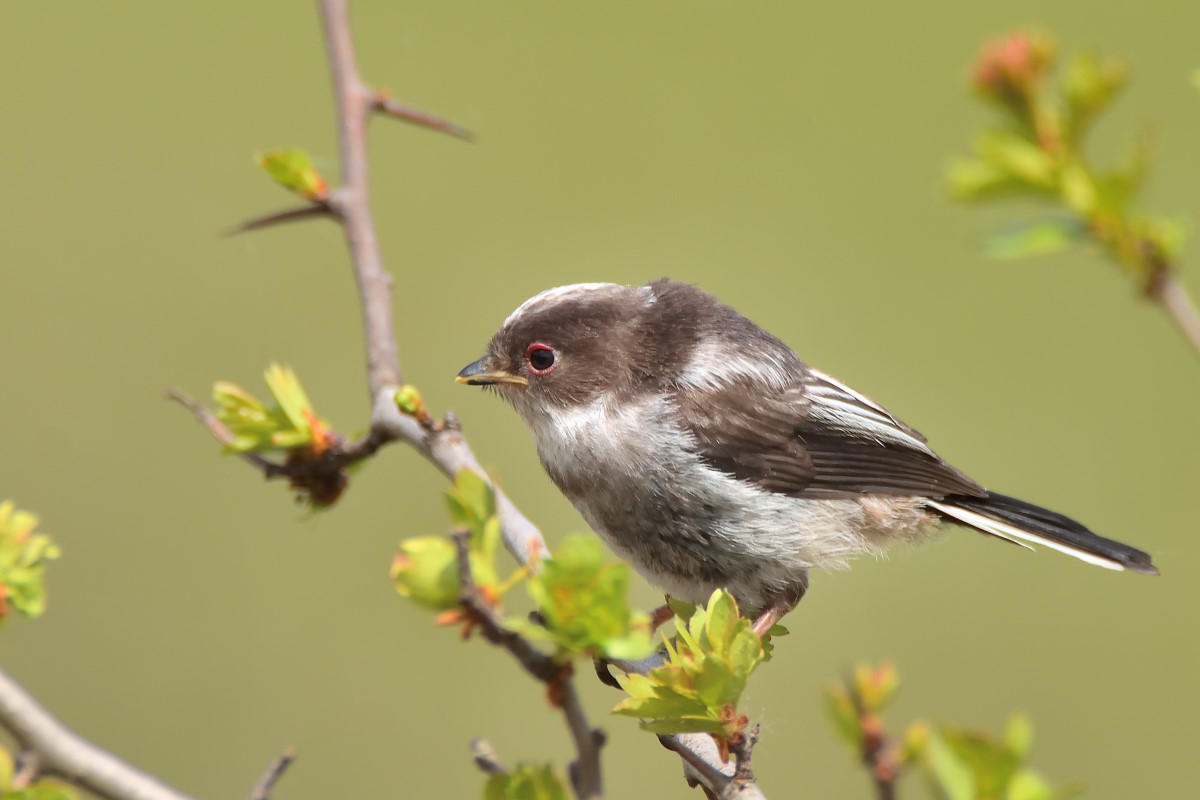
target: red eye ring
541 358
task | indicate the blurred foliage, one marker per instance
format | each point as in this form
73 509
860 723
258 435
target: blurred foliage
526 782
957 763
582 601
23 557
1036 151
41 789
293 170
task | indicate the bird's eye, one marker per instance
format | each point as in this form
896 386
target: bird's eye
541 358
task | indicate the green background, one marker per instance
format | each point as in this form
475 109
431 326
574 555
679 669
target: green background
785 156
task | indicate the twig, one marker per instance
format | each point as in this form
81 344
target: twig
706 774
585 771
1173 296
878 752
486 758
27 766
341 453
63 753
262 789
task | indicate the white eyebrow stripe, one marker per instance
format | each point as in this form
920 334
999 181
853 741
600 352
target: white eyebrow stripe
557 293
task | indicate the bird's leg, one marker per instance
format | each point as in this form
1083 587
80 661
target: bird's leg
660 616
777 607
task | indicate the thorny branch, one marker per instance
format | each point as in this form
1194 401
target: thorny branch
349 205
56 750
560 686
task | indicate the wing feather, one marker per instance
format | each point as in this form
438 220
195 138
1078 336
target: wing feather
813 438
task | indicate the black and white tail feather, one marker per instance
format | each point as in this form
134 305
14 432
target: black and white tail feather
1024 524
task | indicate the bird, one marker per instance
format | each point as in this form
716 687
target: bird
705 453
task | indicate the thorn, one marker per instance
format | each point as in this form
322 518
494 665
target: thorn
384 104
316 209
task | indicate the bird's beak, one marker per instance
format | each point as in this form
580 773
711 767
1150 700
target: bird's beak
481 373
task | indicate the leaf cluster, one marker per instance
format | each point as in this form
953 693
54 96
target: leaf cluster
1036 151
23 557
972 765
425 569
958 764
286 425
525 782
583 607
698 687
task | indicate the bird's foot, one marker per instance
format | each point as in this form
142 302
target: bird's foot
777 608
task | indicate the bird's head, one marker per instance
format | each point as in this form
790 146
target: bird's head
569 346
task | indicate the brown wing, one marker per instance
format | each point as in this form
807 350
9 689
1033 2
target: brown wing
815 438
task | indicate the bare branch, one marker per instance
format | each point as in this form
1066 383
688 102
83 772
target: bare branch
711 777
63 753
218 429
262 789
384 104
354 103
311 211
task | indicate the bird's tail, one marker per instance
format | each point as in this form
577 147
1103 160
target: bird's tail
1023 523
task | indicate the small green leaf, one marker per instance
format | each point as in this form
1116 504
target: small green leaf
290 424
1019 735
952 776
714 681
681 608
1079 192
583 603
47 790
843 716
410 403
23 557
683 725
6 769
526 782
471 502
971 179
293 170
426 570
1089 87
1039 237
745 651
1028 785
1016 156
991 761
722 616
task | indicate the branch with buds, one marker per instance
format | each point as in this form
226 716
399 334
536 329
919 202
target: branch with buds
1037 152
